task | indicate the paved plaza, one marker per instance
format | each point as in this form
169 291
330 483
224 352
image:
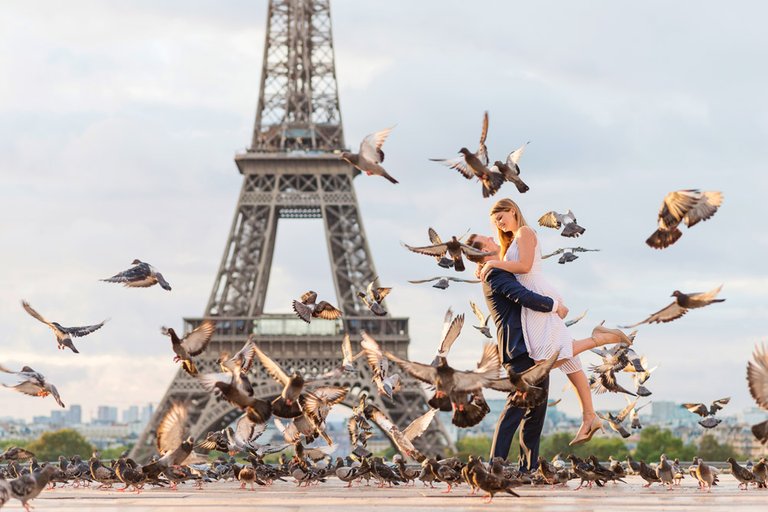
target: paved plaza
333 496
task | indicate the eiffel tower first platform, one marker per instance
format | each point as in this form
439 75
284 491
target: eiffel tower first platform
292 171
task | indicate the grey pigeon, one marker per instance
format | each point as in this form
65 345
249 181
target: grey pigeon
443 281
708 413
31 383
373 296
573 321
682 303
664 472
387 384
451 330
567 221
568 254
510 168
443 261
476 164
63 334
483 319
142 275
688 206
370 155
455 249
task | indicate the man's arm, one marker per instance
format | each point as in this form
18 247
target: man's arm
507 284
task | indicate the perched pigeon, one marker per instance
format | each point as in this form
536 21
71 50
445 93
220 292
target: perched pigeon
455 249
689 206
32 383
476 164
682 303
142 275
483 327
708 414
370 155
192 344
556 220
306 308
511 170
568 254
64 335
443 282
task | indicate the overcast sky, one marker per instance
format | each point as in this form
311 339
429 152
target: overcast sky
119 122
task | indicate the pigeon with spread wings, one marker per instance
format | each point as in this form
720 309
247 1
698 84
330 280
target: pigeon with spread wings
483 319
287 404
347 363
386 384
525 385
682 303
511 170
444 281
476 164
451 329
370 155
33 383
63 334
708 413
568 254
757 378
174 443
555 220
403 439
455 249
233 441
141 275
689 206
373 296
307 308
616 421
192 344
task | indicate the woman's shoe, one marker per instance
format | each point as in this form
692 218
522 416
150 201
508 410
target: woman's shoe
597 424
623 338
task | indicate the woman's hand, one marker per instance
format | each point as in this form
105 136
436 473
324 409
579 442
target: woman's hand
487 268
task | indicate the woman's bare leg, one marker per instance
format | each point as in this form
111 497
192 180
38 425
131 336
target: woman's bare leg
584 393
579 346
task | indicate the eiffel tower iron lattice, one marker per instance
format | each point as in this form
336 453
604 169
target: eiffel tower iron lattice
291 172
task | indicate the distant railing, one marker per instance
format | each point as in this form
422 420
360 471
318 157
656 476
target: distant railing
290 325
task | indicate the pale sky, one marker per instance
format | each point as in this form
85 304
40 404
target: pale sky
119 123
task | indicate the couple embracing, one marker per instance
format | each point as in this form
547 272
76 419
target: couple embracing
528 313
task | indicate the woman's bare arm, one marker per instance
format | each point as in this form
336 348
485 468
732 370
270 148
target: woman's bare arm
526 243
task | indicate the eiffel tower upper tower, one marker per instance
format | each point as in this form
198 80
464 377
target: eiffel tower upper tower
291 172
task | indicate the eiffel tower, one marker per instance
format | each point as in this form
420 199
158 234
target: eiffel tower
292 171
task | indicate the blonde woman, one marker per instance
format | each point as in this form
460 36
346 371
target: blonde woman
544 333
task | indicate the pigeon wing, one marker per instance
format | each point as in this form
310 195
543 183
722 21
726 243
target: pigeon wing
757 376
676 205
139 276
370 148
210 380
273 369
471 251
514 157
247 430
26 387
705 208
559 251
29 309
457 163
460 280
325 311
549 220
429 250
705 296
699 409
454 329
172 428
537 372
479 314
434 238
423 372
83 331
667 314
196 341
482 150
419 281
419 425
373 355
626 410
56 396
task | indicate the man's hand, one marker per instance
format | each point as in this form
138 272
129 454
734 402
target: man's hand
562 311
487 267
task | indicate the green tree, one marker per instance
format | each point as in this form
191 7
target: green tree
114 452
654 441
710 449
65 442
479 446
7 443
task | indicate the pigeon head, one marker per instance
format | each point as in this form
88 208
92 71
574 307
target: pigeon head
349 157
465 151
676 293
730 460
136 262
27 369
498 163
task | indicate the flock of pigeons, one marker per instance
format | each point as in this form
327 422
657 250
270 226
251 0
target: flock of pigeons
301 409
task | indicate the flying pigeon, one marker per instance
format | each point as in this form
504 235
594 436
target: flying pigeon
556 220
708 414
306 308
64 335
444 281
568 254
192 344
511 170
33 383
454 247
689 206
142 275
682 303
372 298
443 261
757 378
483 327
370 155
476 164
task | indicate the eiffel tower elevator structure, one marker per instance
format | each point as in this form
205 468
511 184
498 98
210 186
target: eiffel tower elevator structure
292 171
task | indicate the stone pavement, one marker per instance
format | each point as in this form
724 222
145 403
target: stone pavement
333 496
